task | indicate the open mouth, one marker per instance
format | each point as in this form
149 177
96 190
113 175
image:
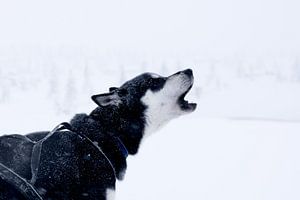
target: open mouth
184 104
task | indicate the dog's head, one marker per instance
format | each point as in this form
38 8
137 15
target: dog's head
157 99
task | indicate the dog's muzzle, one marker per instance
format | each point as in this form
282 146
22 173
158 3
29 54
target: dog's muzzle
188 81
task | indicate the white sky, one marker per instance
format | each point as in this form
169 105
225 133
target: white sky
214 26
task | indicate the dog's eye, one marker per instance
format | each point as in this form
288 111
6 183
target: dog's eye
122 92
157 83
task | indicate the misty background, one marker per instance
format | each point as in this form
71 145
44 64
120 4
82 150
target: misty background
243 138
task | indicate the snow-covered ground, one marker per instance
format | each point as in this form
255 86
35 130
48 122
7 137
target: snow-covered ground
243 140
241 143
202 158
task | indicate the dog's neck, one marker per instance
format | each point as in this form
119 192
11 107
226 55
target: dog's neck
127 125
111 131
110 145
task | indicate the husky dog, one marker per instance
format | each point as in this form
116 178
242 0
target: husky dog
83 159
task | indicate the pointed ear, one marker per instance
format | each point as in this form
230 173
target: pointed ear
106 99
111 89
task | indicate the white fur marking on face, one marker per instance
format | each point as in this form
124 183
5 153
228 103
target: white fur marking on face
110 194
159 111
162 106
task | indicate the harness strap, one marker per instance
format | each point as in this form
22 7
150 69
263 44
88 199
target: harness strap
19 183
122 147
98 148
37 148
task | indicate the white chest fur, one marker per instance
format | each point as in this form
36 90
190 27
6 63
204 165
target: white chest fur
110 194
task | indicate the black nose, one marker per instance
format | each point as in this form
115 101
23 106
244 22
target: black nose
188 72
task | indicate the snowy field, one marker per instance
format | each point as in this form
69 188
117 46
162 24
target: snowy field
196 157
242 142
213 159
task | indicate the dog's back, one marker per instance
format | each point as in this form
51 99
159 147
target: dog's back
15 153
60 165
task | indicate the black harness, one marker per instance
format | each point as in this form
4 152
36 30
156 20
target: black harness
26 188
18 183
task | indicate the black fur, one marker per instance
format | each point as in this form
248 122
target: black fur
84 160
127 120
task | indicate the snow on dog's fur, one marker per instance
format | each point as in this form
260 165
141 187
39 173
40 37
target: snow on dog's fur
124 117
